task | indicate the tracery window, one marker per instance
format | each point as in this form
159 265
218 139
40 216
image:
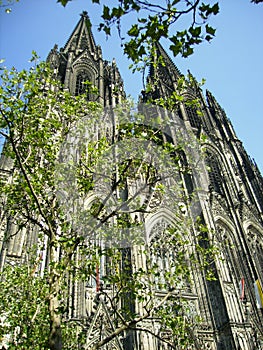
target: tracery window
187 174
214 173
81 83
166 78
256 248
229 271
194 118
167 254
226 255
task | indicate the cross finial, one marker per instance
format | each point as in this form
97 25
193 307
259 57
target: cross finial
84 14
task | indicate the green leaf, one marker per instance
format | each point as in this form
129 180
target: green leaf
208 37
142 20
117 12
210 30
106 13
215 9
63 2
134 31
187 51
107 30
195 31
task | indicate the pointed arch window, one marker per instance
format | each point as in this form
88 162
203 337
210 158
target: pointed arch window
186 173
81 83
194 118
214 173
166 254
256 248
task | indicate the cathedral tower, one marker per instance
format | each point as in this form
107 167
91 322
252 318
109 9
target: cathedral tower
232 208
80 61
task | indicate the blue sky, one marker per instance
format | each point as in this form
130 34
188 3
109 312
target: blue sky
231 63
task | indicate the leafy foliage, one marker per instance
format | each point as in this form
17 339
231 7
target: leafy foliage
35 118
24 309
86 203
153 20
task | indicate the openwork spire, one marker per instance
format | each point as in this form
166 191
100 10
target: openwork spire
81 37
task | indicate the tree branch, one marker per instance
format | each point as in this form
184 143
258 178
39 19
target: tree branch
23 170
132 324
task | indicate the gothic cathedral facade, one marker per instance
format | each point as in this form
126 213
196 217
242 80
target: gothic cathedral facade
231 204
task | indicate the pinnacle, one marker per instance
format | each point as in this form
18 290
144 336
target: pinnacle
84 14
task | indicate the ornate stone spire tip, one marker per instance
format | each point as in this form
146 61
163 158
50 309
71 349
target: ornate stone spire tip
84 14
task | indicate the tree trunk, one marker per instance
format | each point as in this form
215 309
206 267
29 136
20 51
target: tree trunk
55 335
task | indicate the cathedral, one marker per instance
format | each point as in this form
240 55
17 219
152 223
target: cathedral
228 201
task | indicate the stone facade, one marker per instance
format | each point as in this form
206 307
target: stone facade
230 204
